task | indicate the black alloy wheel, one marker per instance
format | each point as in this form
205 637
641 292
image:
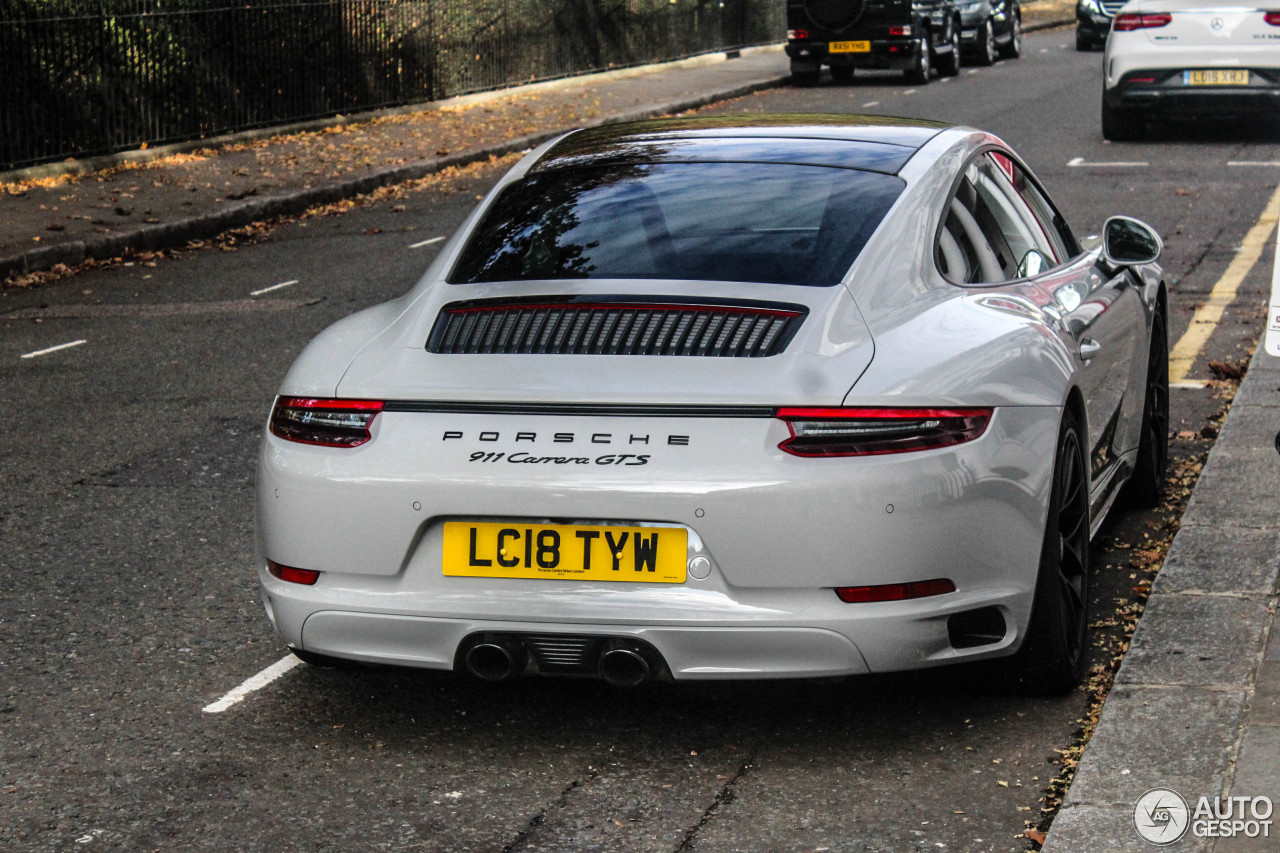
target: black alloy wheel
986 44
924 63
1055 653
1013 49
1146 487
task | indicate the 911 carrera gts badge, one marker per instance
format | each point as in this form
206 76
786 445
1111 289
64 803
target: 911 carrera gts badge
631 439
531 459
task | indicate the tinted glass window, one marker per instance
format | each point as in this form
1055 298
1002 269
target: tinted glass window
751 222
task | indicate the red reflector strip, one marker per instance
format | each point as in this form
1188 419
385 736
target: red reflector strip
307 577
1141 80
894 591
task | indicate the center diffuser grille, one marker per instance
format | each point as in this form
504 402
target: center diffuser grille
614 328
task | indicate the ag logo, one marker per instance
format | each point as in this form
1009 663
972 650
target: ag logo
1161 816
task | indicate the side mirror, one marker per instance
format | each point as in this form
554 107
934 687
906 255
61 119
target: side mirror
1128 242
1032 264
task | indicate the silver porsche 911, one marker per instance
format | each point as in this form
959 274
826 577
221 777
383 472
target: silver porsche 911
726 398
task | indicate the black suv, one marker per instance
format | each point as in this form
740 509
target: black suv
914 37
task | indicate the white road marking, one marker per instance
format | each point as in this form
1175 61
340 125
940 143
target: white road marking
41 352
1190 385
1253 162
971 71
871 104
1045 49
274 287
909 92
1077 162
426 242
257 682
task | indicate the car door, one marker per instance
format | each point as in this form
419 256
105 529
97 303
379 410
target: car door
1002 229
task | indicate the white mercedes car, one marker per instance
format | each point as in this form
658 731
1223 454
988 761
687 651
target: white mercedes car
726 398
1171 58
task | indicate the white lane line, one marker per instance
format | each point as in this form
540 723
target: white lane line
426 243
971 71
1190 385
257 682
274 287
871 104
1253 162
1078 162
909 92
41 352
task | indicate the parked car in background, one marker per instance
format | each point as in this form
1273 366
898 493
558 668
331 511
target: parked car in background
1189 59
1093 22
730 397
990 30
914 37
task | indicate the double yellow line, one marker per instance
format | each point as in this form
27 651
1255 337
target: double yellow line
1208 315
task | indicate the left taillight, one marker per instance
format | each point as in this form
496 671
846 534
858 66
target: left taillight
322 421
875 432
306 577
1272 18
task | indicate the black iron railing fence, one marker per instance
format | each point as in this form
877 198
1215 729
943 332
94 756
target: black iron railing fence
85 77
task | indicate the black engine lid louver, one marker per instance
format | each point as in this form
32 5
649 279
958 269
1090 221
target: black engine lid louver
716 330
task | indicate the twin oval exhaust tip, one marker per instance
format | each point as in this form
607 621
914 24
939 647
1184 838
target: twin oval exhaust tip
621 663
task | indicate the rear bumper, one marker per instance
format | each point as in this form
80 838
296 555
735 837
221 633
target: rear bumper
769 534
1165 92
889 54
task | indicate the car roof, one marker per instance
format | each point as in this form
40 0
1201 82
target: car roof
871 143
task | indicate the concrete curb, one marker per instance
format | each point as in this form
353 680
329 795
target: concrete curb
1188 709
168 235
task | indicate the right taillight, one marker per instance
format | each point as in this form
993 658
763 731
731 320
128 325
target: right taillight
1134 21
1272 18
323 421
875 432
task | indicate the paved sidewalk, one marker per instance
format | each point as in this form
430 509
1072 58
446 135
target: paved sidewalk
142 204
1196 703
65 213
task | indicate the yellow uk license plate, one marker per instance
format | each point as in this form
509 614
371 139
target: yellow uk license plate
1218 77
565 552
850 47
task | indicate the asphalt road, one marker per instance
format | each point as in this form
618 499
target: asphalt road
129 600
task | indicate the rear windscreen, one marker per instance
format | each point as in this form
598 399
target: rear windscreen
751 222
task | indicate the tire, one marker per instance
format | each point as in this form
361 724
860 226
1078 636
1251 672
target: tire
919 75
1055 651
805 76
986 46
1013 49
949 65
1146 486
1083 43
842 74
1121 125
